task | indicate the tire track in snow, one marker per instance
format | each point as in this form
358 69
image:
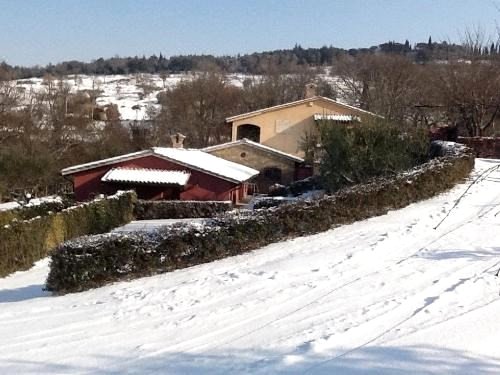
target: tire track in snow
428 301
481 213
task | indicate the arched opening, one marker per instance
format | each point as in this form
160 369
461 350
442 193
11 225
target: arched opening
248 131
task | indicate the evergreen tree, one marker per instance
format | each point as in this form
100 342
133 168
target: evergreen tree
407 46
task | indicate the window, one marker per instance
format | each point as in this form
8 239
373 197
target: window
248 131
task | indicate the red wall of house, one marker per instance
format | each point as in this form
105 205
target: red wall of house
201 186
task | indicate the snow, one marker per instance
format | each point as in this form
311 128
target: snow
192 158
144 175
134 94
152 225
208 163
388 295
98 163
33 202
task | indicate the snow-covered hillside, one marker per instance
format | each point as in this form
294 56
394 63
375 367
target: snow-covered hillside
133 93
387 295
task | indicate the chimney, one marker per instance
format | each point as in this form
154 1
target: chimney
177 140
310 90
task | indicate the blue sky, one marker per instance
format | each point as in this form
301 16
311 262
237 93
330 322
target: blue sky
42 31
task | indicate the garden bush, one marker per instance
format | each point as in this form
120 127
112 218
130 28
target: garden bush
151 210
352 154
93 261
23 242
30 211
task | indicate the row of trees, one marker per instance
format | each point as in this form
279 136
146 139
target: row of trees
255 63
462 93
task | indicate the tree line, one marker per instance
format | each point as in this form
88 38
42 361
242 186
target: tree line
254 63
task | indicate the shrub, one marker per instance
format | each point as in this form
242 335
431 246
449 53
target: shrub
151 210
299 187
354 154
31 211
90 262
24 242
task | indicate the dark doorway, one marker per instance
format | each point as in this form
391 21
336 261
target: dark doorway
248 131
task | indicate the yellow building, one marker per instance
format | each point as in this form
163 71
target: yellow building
284 126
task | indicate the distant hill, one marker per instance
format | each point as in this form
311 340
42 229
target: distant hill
284 60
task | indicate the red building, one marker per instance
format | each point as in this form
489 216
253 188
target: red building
163 173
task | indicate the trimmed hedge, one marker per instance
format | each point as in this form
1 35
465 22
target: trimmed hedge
24 242
91 262
29 212
153 210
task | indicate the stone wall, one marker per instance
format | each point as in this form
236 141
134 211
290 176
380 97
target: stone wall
260 160
484 147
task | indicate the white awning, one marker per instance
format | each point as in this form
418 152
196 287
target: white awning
146 176
336 117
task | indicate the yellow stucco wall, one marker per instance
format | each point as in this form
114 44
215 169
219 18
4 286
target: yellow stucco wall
284 128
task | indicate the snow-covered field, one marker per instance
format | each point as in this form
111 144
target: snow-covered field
386 295
134 94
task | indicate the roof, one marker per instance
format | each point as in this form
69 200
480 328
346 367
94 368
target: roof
208 163
102 162
295 103
256 145
336 117
147 176
193 159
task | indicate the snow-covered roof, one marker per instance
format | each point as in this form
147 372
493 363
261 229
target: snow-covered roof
147 176
102 162
336 117
250 143
193 159
205 162
295 103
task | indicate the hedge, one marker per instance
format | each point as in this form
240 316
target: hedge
94 261
31 211
24 242
153 210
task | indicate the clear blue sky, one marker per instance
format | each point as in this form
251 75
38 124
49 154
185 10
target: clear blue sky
42 31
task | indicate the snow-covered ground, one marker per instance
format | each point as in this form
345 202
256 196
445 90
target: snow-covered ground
134 94
33 202
151 225
387 295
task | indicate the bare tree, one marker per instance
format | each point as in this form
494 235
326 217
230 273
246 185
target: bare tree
198 107
385 84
